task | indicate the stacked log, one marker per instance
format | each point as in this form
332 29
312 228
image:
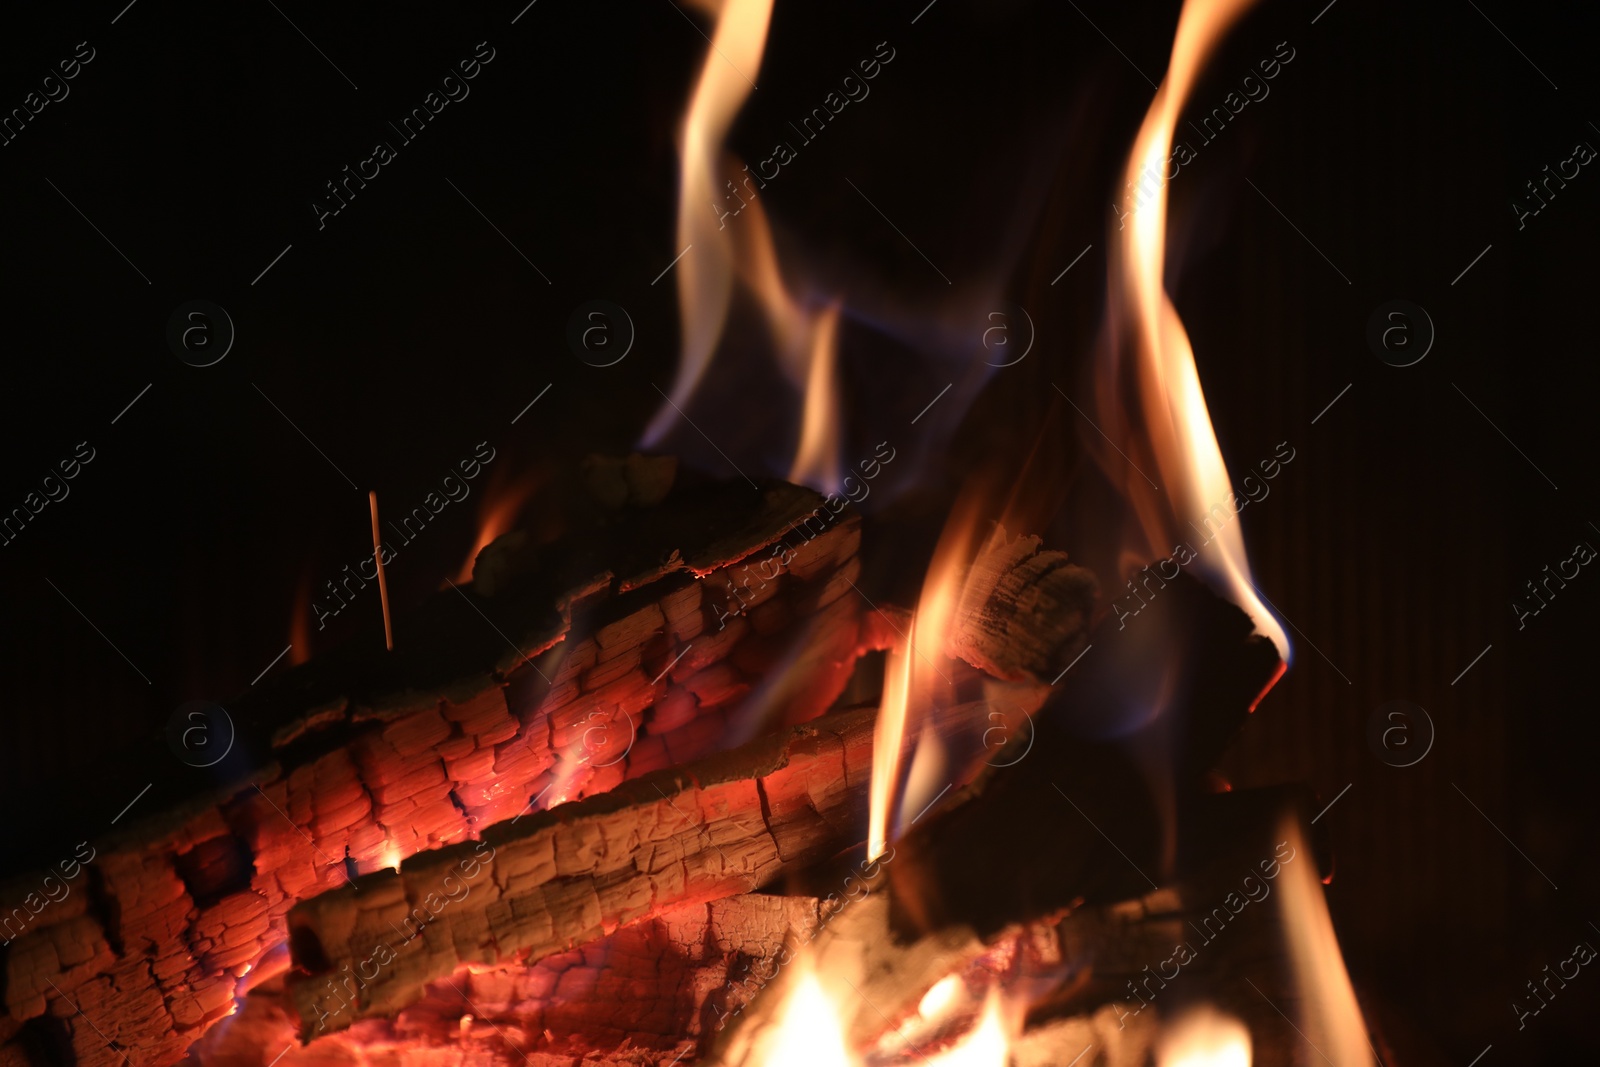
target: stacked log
540 694
1176 688
677 973
558 879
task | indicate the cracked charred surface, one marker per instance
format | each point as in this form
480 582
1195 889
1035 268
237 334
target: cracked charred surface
648 994
375 757
557 879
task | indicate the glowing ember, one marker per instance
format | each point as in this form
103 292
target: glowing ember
1205 1038
1169 436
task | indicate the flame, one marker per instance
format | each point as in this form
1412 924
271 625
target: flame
498 509
806 338
1205 1037
913 675
887 736
816 460
987 1045
1329 1016
807 343
810 1033
706 269
1150 352
390 857
936 1001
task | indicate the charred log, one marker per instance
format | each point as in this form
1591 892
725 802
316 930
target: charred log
624 651
678 973
1155 700
1025 611
557 879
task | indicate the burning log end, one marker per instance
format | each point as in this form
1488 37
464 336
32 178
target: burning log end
1118 751
1025 610
1024 613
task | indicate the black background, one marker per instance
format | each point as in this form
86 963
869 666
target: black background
408 329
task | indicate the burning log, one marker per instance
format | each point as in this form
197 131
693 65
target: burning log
1222 931
567 905
624 653
1178 685
560 878
678 972
1024 612
1172 688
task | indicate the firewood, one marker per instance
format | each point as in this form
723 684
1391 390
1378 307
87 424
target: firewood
678 973
634 632
877 976
557 879
1177 684
1024 612
1089 974
1156 699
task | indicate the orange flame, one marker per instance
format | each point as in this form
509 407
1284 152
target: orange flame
913 677
987 1045
888 734
1329 1016
498 509
940 998
807 343
1150 351
810 1033
705 271
816 460
1204 1037
806 338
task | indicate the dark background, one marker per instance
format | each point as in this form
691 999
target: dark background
408 330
